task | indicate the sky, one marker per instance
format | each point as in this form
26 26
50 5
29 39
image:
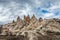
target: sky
11 9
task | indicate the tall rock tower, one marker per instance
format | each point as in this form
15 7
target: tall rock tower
40 19
19 23
18 19
33 18
13 21
27 19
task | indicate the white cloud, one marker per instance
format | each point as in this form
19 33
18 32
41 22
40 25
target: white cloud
3 18
48 15
55 8
9 11
13 10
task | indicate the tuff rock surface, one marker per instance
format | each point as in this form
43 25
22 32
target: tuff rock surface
32 29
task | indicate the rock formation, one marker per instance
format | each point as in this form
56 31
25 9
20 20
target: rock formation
33 28
27 19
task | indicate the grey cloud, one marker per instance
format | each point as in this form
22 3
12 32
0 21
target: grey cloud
13 8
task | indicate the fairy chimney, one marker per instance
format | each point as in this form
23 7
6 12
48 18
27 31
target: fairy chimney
13 21
18 19
26 19
33 18
40 19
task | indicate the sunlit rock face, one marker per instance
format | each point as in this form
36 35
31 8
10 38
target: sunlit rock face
27 19
32 28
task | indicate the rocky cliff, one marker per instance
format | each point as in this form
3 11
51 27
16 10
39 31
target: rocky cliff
33 28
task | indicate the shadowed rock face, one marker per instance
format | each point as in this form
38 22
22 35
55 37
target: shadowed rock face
31 29
12 37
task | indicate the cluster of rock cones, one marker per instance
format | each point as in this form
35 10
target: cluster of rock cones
32 28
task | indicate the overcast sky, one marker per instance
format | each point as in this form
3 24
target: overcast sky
10 9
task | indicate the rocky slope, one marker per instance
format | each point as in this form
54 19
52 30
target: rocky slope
33 29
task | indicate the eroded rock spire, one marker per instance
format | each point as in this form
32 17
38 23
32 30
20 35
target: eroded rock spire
18 19
33 18
27 19
33 28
